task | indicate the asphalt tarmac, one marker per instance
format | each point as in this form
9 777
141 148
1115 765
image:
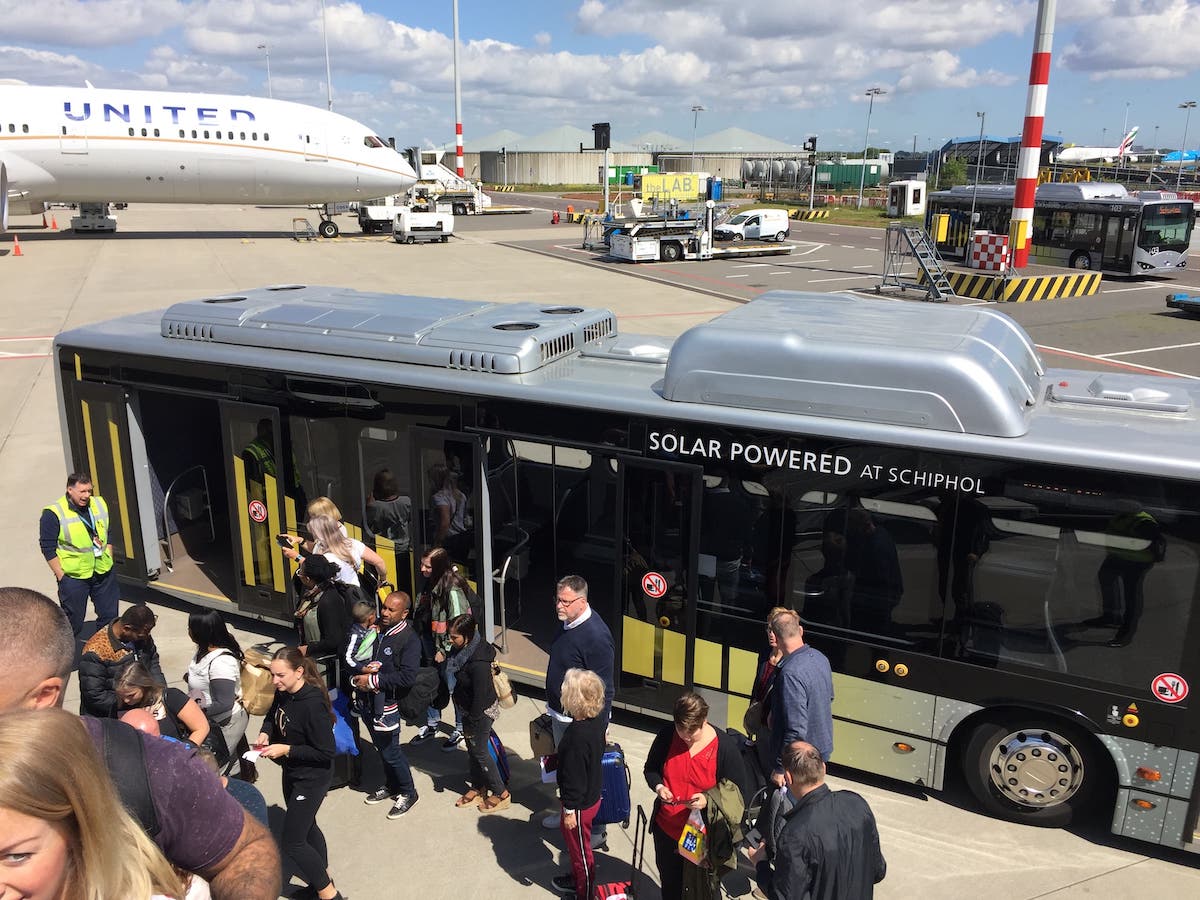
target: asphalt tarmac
936 845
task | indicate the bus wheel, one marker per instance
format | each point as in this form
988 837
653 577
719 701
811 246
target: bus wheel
1033 772
1081 260
671 252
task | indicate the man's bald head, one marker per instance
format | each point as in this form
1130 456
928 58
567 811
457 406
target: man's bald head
37 650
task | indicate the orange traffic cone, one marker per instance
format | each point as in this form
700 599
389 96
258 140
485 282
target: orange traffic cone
17 246
53 223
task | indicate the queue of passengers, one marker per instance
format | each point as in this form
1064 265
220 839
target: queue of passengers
380 654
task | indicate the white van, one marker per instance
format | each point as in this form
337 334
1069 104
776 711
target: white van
755 225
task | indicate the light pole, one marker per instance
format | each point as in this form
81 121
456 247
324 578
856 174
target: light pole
268 52
871 94
1189 106
696 110
978 170
1155 138
328 76
1125 124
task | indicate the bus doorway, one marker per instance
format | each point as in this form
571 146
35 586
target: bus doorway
186 491
255 473
657 577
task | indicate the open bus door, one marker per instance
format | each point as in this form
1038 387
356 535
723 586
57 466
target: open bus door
103 447
658 519
255 473
448 473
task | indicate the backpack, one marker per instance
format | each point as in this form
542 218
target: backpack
475 603
414 703
125 759
257 691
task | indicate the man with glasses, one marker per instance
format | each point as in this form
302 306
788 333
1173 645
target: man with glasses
124 641
584 642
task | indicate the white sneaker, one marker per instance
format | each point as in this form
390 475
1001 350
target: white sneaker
424 733
554 820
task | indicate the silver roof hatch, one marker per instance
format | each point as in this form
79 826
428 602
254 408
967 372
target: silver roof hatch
948 368
500 338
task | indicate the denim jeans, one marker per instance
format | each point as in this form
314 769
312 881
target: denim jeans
396 771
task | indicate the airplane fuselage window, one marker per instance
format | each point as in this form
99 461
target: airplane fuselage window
266 137
156 134
242 135
131 132
373 141
25 129
254 135
143 132
193 132
206 134
11 128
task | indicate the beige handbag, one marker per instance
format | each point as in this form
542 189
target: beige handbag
505 695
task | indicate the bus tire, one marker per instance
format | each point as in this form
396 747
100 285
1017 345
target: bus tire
1081 259
1035 770
670 252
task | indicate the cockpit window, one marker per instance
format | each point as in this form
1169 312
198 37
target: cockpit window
372 141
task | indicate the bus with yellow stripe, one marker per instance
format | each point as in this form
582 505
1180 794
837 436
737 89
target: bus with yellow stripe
1001 561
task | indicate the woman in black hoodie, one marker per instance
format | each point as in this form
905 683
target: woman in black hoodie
298 734
470 663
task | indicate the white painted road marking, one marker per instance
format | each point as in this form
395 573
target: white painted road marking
1149 350
846 278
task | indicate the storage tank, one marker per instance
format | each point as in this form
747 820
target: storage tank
747 170
760 170
790 169
776 169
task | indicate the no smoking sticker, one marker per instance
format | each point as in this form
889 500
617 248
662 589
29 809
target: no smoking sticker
654 585
257 510
1169 687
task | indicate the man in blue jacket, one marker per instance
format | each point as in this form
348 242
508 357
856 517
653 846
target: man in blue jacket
585 642
393 669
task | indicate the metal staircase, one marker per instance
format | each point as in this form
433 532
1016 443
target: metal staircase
906 242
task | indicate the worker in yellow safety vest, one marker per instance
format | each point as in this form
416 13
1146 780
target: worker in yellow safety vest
73 534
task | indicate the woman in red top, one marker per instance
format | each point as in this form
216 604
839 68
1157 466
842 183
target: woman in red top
686 759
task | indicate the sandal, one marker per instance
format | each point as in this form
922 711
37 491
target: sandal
495 803
470 798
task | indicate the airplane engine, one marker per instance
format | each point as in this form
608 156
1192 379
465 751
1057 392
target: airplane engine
3 197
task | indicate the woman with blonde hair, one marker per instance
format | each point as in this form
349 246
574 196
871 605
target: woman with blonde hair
63 832
580 777
344 552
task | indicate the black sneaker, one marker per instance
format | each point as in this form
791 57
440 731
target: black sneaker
563 884
377 796
403 804
453 740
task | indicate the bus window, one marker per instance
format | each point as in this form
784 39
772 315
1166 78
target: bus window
384 465
320 463
1085 229
1082 582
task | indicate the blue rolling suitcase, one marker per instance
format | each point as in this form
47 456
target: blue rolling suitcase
614 794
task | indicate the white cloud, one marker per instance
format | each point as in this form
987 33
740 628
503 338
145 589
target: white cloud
542 39
23 63
1138 39
94 23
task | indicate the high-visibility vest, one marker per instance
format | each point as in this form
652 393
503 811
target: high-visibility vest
262 455
1136 525
75 547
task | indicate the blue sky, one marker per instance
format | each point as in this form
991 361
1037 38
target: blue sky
783 68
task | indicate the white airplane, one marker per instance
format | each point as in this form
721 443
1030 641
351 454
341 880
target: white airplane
93 146
1099 154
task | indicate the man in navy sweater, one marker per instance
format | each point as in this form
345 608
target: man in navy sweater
584 643
801 697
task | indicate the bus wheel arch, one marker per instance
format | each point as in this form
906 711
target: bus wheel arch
1081 259
1034 767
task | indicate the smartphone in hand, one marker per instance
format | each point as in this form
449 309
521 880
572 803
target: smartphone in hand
284 540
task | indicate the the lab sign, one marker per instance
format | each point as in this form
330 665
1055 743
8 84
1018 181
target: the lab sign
683 446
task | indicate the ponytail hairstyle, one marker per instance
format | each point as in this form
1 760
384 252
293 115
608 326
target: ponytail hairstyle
312 675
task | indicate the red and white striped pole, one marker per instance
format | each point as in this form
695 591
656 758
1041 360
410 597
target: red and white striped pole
1031 136
458 147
